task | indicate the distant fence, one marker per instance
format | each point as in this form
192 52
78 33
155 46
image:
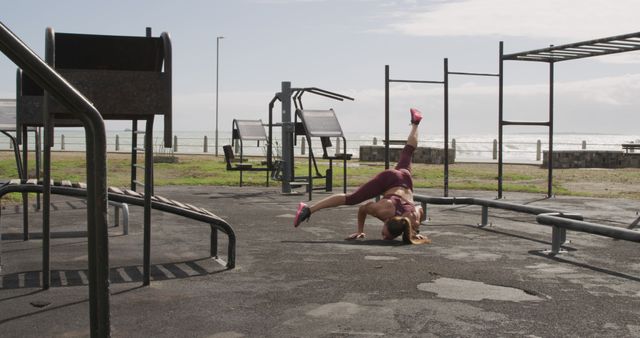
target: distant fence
465 151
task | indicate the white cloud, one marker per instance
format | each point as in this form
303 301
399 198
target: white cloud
565 19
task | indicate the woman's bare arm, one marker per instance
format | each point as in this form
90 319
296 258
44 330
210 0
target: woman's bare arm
363 211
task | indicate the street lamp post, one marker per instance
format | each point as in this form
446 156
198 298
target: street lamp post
217 68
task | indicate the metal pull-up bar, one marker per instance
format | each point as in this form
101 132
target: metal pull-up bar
387 80
415 81
473 74
445 84
447 72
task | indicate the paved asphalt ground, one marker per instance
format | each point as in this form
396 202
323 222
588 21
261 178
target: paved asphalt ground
309 282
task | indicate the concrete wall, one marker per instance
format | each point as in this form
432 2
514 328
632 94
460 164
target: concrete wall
592 159
421 155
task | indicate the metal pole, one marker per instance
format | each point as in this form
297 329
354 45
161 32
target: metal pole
148 192
217 69
500 115
25 175
446 127
550 153
386 116
96 160
287 138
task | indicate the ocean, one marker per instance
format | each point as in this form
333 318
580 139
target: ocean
518 148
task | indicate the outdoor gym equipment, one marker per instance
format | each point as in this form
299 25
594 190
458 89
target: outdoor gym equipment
558 220
552 55
286 96
241 131
125 78
445 84
324 125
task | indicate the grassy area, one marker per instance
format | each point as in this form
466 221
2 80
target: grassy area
209 170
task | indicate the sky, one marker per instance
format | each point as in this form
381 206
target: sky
343 46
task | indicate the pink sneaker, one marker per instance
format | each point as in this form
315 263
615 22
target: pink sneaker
302 214
416 116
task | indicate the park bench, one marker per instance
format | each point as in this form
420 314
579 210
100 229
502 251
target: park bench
630 147
244 131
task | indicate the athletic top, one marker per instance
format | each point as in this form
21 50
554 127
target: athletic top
401 204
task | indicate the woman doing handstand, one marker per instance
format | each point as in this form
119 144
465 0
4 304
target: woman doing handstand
395 208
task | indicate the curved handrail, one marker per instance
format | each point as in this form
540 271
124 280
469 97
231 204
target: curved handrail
68 96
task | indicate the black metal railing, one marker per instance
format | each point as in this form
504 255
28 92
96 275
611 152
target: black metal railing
74 101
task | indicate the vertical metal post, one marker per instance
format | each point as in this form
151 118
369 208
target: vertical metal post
38 164
46 186
485 216
500 115
214 242
134 153
270 135
25 175
287 138
148 192
217 77
446 127
309 177
495 150
550 153
558 236
386 116
344 166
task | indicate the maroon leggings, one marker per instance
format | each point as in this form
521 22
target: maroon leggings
400 176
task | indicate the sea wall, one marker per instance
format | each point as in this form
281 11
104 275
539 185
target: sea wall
592 159
421 155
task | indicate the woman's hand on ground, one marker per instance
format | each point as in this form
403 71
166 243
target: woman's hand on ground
356 235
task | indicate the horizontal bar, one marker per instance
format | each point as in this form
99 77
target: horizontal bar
473 74
618 45
417 81
585 49
523 123
563 53
571 45
610 45
533 58
625 42
592 228
492 204
315 90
